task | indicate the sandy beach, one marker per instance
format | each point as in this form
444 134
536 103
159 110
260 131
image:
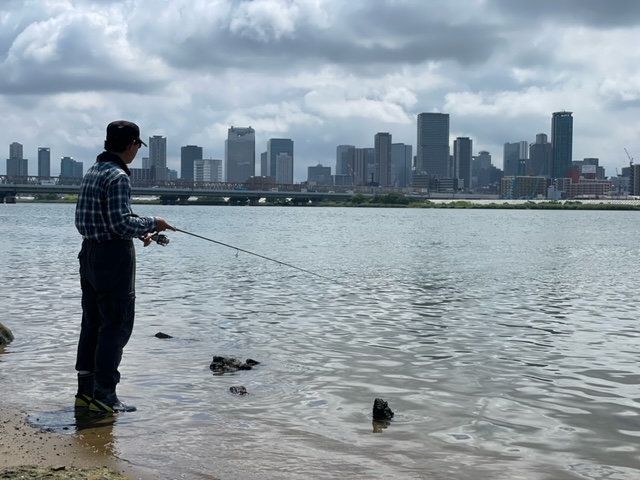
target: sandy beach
30 453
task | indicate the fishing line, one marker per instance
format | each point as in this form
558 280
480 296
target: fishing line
256 254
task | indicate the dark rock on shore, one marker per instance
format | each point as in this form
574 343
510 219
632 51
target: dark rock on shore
6 337
381 410
162 335
239 390
221 364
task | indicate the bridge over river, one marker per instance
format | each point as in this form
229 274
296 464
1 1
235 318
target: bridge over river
181 191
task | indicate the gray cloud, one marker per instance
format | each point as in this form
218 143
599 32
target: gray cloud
323 72
593 13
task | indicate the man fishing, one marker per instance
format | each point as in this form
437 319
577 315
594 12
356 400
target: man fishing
107 267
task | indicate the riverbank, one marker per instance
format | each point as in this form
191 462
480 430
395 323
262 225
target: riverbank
27 452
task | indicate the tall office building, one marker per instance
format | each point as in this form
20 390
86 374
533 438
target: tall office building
540 157
462 153
16 150
432 155
276 146
69 168
319 175
264 165
240 154
562 143
402 159
158 157
207 170
514 158
44 162
284 169
383 172
481 170
16 165
342 159
189 154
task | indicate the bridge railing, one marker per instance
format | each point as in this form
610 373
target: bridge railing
210 186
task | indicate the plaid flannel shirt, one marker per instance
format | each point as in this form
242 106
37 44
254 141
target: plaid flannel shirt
103 211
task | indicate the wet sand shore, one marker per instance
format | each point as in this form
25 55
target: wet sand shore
27 452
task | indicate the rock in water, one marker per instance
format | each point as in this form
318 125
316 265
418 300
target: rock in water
381 410
228 364
6 337
239 390
163 335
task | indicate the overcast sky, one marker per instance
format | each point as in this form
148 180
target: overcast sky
321 72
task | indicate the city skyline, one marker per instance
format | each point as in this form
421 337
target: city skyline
433 156
322 73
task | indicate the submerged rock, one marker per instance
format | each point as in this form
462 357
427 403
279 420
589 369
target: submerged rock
239 390
163 335
229 364
6 337
381 410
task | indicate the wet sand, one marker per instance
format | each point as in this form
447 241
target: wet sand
30 453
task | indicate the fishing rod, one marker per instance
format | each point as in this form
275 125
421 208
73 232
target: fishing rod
164 240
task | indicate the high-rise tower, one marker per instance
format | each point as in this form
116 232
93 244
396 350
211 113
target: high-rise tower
158 157
462 153
562 143
240 154
44 162
514 158
540 157
275 148
383 171
188 155
432 155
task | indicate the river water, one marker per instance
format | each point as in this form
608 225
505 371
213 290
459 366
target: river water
505 341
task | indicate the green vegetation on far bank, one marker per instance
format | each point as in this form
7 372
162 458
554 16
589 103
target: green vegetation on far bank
397 200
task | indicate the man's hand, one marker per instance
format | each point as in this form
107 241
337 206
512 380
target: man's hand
146 239
162 225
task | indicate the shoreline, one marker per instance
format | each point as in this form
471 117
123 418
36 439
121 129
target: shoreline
28 452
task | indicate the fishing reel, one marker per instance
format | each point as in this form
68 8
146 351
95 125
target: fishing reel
160 239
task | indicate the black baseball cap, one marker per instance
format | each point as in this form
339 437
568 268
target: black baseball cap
124 131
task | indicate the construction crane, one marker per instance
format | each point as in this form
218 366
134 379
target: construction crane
630 157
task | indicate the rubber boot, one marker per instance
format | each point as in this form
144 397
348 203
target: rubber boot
85 390
108 402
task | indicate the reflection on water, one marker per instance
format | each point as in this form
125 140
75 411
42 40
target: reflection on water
504 341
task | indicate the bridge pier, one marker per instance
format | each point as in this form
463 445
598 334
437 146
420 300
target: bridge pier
7 198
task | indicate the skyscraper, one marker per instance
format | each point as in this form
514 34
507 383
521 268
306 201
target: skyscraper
462 153
264 165
16 165
158 157
44 162
207 170
284 169
319 175
69 168
433 144
342 159
383 171
402 158
540 157
562 143
240 154
514 158
481 170
275 147
188 154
